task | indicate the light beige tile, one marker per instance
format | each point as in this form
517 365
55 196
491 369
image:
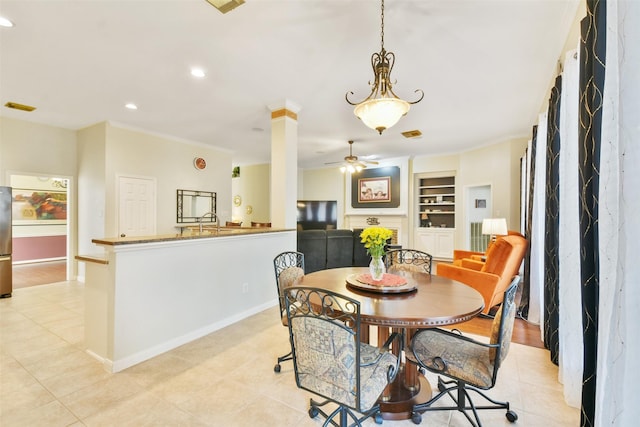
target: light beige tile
221 402
19 389
157 370
61 361
51 414
143 409
101 395
269 412
76 378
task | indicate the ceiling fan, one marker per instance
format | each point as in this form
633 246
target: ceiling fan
351 162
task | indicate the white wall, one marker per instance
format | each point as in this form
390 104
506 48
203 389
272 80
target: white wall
253 186
91 189
325 184
170 162
495 165
28 148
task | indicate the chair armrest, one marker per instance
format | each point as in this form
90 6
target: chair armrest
386 348
472 264
482 257
483 282
460 254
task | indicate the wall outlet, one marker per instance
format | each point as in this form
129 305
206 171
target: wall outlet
245 288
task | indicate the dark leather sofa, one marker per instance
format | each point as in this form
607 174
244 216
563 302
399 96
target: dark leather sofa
324 249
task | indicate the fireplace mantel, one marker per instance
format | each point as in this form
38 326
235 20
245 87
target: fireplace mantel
391 221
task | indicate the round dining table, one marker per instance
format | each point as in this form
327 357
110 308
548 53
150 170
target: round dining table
425 301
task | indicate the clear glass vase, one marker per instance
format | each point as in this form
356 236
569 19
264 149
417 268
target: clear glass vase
377 268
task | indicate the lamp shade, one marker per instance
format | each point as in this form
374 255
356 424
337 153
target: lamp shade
494 226
381 113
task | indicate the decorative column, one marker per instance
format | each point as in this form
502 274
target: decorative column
284 164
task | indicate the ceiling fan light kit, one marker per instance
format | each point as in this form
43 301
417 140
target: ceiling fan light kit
382 108
351 162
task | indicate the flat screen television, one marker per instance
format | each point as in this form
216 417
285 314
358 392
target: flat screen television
317 214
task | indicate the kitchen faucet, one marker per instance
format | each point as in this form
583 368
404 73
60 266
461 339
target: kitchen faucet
213 216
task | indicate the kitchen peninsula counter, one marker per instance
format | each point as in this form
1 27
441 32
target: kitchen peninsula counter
208 234
152 294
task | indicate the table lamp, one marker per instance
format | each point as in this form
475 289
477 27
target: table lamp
494 227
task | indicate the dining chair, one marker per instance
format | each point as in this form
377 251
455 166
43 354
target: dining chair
288 266
408 260
470 364
330 360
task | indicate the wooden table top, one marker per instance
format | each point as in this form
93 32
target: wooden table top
437 300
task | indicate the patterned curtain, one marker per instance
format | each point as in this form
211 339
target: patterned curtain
592 73
551 239
523 309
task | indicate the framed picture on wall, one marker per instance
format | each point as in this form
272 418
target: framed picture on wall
38 207
481 203
376 188
371 190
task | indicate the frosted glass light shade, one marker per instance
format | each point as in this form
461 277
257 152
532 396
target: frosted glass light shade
381 113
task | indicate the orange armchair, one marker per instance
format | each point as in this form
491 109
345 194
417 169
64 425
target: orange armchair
460 254
492 277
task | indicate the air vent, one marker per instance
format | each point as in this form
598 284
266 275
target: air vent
225 6
412 134
17 106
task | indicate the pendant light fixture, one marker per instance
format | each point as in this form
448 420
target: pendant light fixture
382 108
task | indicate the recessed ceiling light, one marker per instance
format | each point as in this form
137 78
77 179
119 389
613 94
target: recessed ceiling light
4 22
197 72
131 106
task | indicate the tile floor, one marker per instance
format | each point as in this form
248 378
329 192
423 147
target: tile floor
223 379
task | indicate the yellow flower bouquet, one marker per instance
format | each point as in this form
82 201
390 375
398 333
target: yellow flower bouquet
374 239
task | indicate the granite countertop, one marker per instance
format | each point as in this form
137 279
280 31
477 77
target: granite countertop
208 233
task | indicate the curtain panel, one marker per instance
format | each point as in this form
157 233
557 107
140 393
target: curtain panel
618 376
592 74
523 309
536 238
552 222
569 292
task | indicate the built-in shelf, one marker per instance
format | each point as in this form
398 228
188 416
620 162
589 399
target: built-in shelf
436 209
436 201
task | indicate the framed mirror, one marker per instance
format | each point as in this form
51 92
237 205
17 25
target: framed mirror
193 204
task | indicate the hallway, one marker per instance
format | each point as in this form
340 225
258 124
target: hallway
39 273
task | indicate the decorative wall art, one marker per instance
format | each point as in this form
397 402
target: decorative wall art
37 206
376 188
481 203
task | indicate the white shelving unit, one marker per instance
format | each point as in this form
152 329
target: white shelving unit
436 206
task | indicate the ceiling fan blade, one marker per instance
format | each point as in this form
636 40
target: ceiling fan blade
371 162
333 163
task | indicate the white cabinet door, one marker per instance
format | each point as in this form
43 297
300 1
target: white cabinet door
437 242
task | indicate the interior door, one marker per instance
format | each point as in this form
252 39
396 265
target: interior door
137 206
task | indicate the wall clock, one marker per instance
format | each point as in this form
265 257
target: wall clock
199 163
237 200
